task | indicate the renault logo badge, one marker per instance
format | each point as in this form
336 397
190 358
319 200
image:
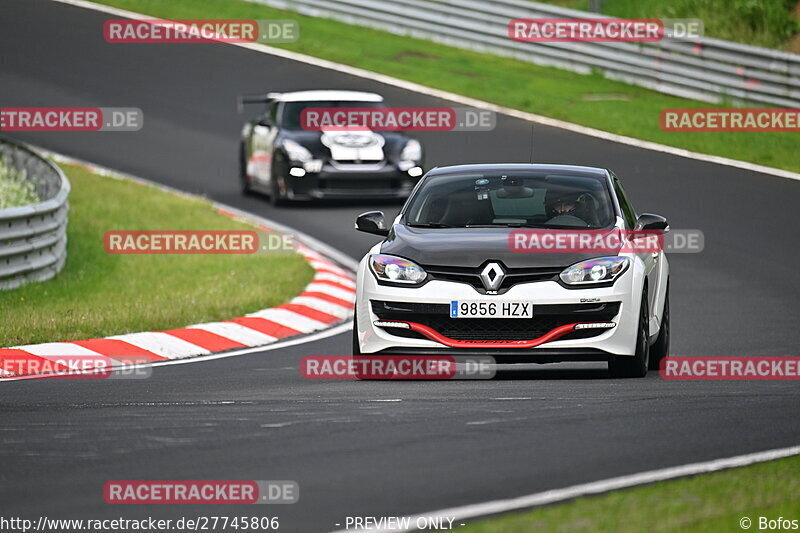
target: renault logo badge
492 276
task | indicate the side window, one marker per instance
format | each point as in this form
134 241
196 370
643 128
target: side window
627 210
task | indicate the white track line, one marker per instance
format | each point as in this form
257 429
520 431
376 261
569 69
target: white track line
598 487
342 294
47 349
236 333
73 356
323 305
347 282
162 344
327 266
464 100
290 319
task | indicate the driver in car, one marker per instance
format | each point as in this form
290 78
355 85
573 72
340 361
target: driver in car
564 208
565 204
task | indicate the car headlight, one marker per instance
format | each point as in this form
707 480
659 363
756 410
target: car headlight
593 271
412 151
296 151
396 269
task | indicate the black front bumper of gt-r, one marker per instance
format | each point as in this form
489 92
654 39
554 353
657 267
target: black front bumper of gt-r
386 182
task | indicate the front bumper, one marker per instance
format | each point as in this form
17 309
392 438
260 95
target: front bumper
552 332
369 181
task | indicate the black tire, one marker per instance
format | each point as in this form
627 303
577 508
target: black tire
636 366
245 181
660 349
275 197
356 345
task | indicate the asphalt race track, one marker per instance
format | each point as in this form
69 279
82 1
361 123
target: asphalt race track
437 444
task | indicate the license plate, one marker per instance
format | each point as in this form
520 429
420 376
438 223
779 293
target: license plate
475 309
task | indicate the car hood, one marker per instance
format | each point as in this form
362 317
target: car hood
470 247
313 139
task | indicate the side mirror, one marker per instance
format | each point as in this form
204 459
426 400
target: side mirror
649 221
265 121
372 222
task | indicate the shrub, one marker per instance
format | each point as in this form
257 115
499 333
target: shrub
15 189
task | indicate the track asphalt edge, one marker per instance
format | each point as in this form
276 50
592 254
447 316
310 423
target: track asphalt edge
593 488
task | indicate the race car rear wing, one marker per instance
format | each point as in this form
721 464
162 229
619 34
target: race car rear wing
255 99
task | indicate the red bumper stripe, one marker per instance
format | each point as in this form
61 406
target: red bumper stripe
434 335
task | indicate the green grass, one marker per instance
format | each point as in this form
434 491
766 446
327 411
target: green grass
708 503
768 23
516 84
100 294
571 4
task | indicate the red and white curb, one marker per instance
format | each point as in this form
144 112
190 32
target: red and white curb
326 302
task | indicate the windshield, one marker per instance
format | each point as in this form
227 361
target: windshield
290 118
520 200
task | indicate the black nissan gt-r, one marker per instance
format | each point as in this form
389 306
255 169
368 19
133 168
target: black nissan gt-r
287 162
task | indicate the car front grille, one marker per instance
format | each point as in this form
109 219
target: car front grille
374 184
545 318
472 277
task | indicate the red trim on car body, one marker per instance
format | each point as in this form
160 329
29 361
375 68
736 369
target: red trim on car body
434 335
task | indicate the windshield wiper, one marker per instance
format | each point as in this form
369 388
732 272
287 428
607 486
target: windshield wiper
507 225
429 225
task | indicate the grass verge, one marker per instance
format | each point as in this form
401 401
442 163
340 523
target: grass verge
589 100
703 504
769 23
98 294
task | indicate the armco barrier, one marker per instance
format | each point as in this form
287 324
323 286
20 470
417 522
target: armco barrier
33 238
705 69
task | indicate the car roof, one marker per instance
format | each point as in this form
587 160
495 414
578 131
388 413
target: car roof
332 95
519 167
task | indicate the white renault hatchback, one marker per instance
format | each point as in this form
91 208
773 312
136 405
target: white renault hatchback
456 273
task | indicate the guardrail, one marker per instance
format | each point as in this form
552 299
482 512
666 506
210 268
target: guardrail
706 69
33 238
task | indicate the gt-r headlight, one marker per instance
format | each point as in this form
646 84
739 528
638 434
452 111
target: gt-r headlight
296 151
595 271
412 151
396 269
